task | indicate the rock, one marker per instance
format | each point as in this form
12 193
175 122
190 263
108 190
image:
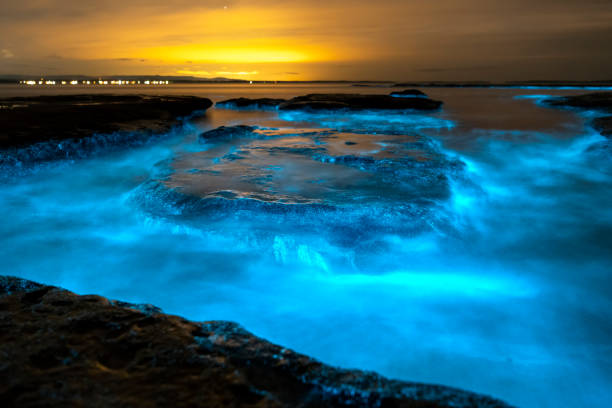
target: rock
59 349
227 133
247 103
409 93
29 120
318 102
338 185
604 126
596 100
600 101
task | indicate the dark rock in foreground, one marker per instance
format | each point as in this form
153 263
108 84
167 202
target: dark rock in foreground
29 120
600 101
318 102
59 349
415 93
247 103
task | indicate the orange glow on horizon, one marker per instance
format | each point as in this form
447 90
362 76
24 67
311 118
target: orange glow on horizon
231 54
307 39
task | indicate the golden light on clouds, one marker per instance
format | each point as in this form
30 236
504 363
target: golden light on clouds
218 73
309 39
245 52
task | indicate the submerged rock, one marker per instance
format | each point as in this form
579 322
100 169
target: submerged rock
321 181
247 103
318 102
59 349
414 93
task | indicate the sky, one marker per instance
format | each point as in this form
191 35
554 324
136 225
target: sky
398 40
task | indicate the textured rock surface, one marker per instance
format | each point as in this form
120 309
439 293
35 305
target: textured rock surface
227 133
316 102
247 103
29 120
59 349
321 181
601 101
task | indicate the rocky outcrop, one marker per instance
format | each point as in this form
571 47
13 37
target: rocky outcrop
227 133
596 100
604 126
319 102
41 130
336 180
409 93
600 101
247 103
29 120
59 349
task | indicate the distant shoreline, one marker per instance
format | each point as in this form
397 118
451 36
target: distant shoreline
58 79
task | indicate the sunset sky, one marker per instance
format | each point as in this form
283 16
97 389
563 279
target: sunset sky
310 39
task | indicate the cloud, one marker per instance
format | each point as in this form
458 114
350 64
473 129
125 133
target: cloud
319 39
6 53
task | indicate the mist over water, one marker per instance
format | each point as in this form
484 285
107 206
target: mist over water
500 286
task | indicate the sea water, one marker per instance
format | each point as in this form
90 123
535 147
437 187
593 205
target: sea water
469 247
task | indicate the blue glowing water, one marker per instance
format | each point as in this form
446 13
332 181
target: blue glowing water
495 277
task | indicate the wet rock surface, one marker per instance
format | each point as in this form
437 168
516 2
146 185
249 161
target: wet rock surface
319 102
604 126
415 93
599 101
44 129
595 100
59 349
227 133
314 179
28 120
248 103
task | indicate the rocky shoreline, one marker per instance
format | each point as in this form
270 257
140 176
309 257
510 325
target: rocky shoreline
597 101
412 100
29 120
60 349
43 129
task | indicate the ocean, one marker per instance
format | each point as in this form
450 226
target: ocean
470 247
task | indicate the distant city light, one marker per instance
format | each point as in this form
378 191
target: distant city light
115 82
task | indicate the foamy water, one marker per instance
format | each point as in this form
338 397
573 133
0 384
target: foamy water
500 286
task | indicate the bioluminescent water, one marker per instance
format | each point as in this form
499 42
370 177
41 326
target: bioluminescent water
469 247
